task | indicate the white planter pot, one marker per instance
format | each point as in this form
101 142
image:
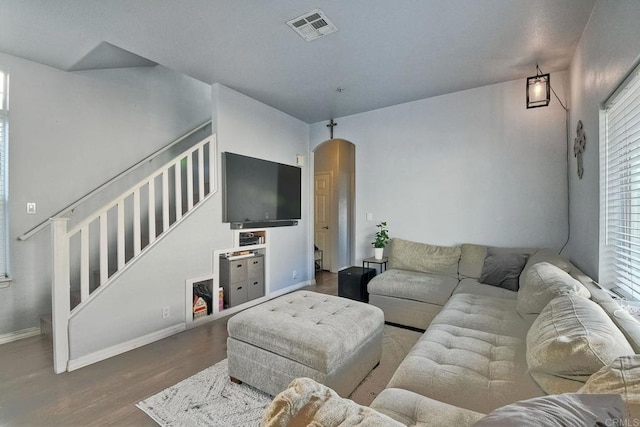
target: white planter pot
378 252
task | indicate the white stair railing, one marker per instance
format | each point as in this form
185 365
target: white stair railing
94 238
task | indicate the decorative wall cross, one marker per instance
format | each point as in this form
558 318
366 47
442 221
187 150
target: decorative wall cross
579 146
331 125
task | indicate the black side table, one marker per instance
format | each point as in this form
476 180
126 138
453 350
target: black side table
382 262
352 283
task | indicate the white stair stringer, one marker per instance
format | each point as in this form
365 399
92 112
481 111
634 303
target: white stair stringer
93 254
115 276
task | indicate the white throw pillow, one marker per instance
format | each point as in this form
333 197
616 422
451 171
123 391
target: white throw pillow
570 340
622 376
543 282
309 403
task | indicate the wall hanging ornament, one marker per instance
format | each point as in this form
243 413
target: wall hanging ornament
578 147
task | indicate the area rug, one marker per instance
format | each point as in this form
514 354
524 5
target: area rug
208 398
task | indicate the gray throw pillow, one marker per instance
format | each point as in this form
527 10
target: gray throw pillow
588 410
503 270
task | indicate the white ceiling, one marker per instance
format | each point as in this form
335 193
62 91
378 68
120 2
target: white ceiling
384 53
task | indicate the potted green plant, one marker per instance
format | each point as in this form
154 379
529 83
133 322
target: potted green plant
381 239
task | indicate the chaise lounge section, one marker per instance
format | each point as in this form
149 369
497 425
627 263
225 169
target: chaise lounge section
539 329
419 281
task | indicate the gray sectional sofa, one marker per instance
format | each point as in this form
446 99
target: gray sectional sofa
540 329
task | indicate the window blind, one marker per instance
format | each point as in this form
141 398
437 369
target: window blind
620 253
4 135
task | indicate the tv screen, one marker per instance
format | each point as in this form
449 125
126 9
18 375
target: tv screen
259 190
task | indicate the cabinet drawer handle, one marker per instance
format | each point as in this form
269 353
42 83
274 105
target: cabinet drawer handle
239 287
239 266
255 283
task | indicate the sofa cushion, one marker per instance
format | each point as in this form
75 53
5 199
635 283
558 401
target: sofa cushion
622 376
472 369
503 270
471 260
542 283
472 356
484 313
307 403
412 409
560 411
569 341
412 285
414 256
473 286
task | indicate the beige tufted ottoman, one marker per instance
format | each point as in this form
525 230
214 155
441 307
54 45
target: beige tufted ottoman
333 340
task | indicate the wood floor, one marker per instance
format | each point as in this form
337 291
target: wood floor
105 393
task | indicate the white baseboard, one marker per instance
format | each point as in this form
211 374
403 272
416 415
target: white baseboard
115 350
106 353
289 289
21 334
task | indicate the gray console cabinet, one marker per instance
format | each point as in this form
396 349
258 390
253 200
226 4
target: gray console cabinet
255 277
242 279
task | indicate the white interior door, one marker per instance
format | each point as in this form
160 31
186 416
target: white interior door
322 216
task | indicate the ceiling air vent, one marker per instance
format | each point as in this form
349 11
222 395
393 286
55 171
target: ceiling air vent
312 25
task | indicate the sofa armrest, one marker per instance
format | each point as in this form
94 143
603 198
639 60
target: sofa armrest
307 402
413 409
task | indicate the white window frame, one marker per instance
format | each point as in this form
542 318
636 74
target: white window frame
4 176
619 264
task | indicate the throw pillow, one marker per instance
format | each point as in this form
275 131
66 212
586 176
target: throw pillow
503 270
543 282
308 403
622 376
570 340
560 410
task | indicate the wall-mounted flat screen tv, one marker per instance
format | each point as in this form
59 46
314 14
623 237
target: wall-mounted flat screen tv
256 190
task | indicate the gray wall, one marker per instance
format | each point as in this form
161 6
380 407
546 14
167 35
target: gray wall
133 304
607 52
474 166
69 133
248 127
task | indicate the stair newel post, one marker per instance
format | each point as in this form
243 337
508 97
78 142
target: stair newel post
60 293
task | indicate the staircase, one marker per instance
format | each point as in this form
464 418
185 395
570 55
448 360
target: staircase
92 253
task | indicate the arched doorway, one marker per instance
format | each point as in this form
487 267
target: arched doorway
334 203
